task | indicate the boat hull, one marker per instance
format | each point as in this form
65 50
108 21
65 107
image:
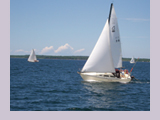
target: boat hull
97 77
33 60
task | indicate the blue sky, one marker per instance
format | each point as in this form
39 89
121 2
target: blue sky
72 27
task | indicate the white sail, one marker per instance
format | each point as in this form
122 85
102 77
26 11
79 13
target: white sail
115 39
32 56
100 59
132 60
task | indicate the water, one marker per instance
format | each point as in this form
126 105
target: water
54 85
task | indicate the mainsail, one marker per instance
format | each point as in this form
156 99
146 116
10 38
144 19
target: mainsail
115 39
32 56
106 55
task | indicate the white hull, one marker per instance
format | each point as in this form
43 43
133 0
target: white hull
33 60
132 62
101 77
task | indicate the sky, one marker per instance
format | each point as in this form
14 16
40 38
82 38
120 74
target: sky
72 27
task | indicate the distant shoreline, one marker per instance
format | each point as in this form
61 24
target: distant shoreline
71 57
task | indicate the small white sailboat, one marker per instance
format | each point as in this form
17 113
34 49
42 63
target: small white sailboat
106 55
32 57
132 60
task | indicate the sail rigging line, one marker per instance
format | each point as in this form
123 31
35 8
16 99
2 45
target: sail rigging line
136 79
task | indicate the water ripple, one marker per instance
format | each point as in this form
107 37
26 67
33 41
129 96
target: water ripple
54 85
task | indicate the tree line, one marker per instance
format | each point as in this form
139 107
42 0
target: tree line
72 57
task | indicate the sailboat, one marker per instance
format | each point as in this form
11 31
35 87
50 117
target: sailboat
132 60
105 60
32 57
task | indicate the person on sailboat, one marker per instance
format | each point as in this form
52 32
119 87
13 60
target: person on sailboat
126 71
117 73
122 73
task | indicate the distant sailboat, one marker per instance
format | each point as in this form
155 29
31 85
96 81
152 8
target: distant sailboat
106 55
32 57
132 60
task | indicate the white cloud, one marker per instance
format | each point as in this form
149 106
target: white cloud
136 19
125 37
27 51
142 37
20 50
80 50
135 37
46 49
62 48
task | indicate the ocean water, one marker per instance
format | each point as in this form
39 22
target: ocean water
54 85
